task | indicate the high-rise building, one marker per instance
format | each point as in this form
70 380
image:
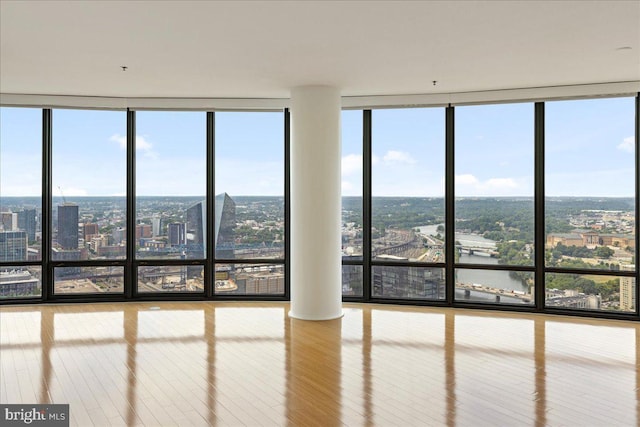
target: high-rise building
196 236
143 231
176 234
13 246
196 230
90 230
409 282
9 221
18 283
627 290
119 235
68 226
27 223
225 223
155 225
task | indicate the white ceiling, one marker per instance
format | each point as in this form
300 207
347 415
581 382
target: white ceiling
263 49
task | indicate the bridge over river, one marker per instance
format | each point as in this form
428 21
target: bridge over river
470 288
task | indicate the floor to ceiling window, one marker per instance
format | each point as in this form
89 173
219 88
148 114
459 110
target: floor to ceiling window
590 205
250 203
171 214
89 176
20 202
351 247
494 204
537 208
407 203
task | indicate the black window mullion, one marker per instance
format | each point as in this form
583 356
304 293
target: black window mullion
449 196
367 152
287 204
637 201
539 217
46 278
130 279
209 269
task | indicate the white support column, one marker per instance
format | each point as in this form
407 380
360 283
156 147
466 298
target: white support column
316 263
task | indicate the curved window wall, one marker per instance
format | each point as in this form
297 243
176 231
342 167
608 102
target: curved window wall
525 206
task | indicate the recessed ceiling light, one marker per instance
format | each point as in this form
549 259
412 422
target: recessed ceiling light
624 48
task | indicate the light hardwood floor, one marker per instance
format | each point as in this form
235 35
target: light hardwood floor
250 364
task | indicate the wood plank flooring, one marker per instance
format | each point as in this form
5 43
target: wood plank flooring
227 364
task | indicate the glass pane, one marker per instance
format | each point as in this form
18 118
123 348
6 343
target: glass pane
494 184
352 280
590 292
88 280
408 282
494 286
249 217
89 184
20 282
589 184
171 178
171 278
408 184
20 184
351 185
249 279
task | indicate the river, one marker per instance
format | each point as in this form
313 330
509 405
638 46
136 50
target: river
494 278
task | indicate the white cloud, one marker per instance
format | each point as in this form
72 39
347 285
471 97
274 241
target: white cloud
121 140
393 156
351 163
375 159
141 144
499 184
627 144
466 179
346 187
469 185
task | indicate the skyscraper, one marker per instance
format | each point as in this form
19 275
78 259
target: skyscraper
9 221
175 234
90 230
119 235
27 223
225 216
68 226
196 236
155 225
627 290
13 246
196 231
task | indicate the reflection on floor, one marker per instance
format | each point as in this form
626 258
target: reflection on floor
250 364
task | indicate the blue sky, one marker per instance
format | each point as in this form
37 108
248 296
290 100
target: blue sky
590 151
494 150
